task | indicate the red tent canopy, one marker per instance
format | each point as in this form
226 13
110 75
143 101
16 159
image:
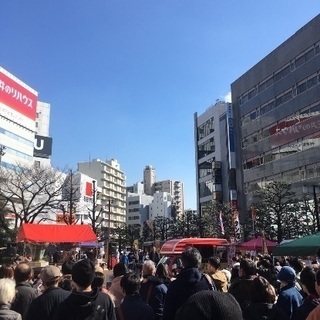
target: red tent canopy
256 244
55 233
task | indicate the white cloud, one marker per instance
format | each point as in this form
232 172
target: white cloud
227 97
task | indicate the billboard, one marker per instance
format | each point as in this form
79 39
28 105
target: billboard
42 147
17 95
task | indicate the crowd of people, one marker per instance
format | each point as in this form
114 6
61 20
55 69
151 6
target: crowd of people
255 288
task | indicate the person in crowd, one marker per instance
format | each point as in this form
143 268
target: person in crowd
289 298
153 291
65 282
162 273
153 255
115 290
307 281
132 306
263 296
99 280
44 306
210 305
83 302
219 277
266 269
315 313
240 287
188 282
25 293
7 293
298 265
6 271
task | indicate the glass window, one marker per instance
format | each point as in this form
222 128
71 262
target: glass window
302 87
312 82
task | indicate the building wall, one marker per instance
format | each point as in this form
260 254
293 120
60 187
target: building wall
17 120
138 208
160 206
277 106
149 178
111 180
212 153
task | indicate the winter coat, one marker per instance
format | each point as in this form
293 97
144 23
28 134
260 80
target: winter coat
220 280
187 283
240 289
314 314
308 304
153 291
93 305
134 308
44 306
23 298
7 314
289 299
115 291
266 311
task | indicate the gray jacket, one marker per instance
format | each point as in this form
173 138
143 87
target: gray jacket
7 314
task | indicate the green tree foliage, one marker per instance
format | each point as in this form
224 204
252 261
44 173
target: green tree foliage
278 211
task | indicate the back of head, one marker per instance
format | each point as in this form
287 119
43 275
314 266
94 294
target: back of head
120 269
248 267
50 275
6 271
215 262
98 280
210 305
130 283
308 278
191 258
83 273
296 264
7 290
67 267
162 270
262 291
22 272
148 268
286 274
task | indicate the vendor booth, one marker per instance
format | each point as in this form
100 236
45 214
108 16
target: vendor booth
257 244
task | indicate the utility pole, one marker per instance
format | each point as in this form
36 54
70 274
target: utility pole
94 194
316 207
108 234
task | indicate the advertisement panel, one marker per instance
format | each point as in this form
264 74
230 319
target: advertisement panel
42 147
17 95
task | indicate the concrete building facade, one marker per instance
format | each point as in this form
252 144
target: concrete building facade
112 182
215 156
149 178
277 107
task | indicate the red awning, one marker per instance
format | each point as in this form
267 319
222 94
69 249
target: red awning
256 244
55 233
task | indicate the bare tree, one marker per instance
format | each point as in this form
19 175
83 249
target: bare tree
29 192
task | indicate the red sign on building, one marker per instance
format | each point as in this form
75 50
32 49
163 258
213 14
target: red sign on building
17 96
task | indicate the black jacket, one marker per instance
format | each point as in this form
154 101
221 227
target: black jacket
240 289
265 311
153 289
187 283
43 307
23 298
134 308
94 305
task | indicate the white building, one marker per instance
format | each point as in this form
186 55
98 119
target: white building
112 182
18 103
138 208
161 205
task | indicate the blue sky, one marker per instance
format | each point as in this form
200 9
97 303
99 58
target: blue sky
124 77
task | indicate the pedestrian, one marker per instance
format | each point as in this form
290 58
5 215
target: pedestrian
83 302
7 293
240 286
65 282
289 298
44 306
25 293
188 282
132 306
115 290
219 277
153 291
263 296
315 313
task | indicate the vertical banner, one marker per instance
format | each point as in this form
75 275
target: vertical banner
236 224
221 222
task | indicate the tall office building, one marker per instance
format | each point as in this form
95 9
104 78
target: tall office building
112 182
277 104
149 178
18 103
215 156
175 189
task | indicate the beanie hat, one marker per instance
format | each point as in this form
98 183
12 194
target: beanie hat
210 305
49 274
83 272
287 274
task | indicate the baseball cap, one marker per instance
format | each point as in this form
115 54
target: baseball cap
286 273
